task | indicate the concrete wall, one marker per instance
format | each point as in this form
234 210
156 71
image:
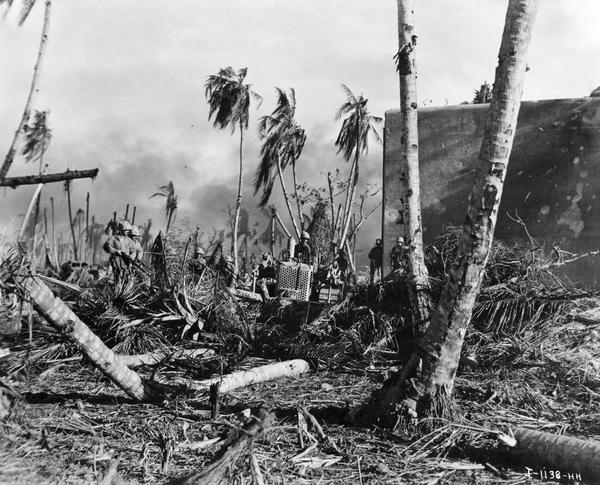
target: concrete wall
553 179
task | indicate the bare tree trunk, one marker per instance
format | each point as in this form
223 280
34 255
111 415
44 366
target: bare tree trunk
54 249
29 211
273 233
57 314
75 255
409 161
287 197
330 185
439 349
87 227
33 89
352 182
299 206
238 206
15 182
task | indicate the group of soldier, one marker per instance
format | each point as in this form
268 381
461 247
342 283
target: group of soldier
124 249
398 256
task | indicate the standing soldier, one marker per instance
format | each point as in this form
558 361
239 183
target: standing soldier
302 251
118 247
376 260
398 256
136 251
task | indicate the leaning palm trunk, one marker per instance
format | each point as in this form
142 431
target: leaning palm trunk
236 217
352 181
33 89
60 316
287 197
420 301
440 347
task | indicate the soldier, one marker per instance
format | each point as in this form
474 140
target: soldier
302 251
398 255
118 246
136 251
376 259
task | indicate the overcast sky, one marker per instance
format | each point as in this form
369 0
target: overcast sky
124 80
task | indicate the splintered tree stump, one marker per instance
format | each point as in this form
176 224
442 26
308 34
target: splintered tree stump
557 452
238 447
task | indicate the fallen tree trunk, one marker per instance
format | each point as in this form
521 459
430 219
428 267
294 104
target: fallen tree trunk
60 316
238 447
269 372
158 357
556 452
15 182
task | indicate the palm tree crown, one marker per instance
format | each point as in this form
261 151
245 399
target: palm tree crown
229 98
356 127
168 192
283 140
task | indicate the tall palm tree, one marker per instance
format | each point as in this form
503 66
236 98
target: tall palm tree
352 141
418 287
439 349
282 143
33 89
229 104
168 192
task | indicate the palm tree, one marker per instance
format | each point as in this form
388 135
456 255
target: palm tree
353 138
33 89
168 192
420 302
283 140
483 95
439 349
229 103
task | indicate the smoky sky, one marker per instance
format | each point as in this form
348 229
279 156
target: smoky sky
124 84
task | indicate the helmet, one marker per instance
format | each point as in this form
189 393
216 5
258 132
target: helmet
123 226
305 235
134 231
400 240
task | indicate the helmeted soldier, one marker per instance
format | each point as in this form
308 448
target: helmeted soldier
376 259
398 255
136 251
118 247
302 251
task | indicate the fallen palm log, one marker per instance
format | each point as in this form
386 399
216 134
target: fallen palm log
236 380
60 316
237 448
15 182
559 453
154 358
